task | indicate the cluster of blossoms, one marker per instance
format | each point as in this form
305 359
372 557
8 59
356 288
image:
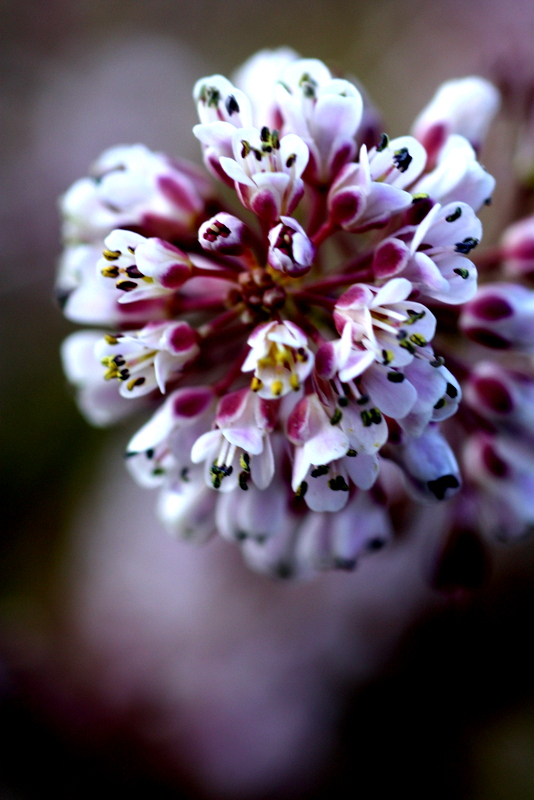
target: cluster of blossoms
302 348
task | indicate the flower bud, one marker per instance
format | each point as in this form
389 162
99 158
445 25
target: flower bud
518 249
223 234
501 316
290 249
428 464
465 106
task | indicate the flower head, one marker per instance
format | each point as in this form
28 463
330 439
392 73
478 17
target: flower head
292 375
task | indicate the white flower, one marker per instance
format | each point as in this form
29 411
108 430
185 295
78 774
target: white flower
457 177
147 359
435 259
266 170
240 442
323 111
130 185
280 358
258 78
384 322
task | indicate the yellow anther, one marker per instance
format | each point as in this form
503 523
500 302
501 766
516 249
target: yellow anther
280 355
111 339
112 372
418 339
110 272
294 382
111 255
255 384
276 388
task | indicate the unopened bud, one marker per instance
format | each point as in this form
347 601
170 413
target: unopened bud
223 234
465 106
518 249
501 316
290 249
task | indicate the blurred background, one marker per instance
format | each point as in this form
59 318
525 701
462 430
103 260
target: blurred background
134 663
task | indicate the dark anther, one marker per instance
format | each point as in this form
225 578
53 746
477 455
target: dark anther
395 377
338 484
437 362
212 96
184 474
414 316
362 400
336 417
301 491
232 106
291 160
440 485
323 469
347 564
61 296
455 215
440 403
283 570
451 390
402 159
466 246
126 286
383 143
150 452
376 416
133 272
243 480
462 272
408 346
265 134
375 544
343 402
245 148
366 419
351 453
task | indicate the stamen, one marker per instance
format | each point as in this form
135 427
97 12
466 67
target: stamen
455 215
135 382
322 469
111 255
466 245
232 106
383 143
337 417
402 159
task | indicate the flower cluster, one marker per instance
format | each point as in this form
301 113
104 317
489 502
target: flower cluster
301 348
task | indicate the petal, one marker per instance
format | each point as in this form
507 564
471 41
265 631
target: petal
394 399
363 470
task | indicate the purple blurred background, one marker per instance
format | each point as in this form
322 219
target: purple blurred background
136 663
